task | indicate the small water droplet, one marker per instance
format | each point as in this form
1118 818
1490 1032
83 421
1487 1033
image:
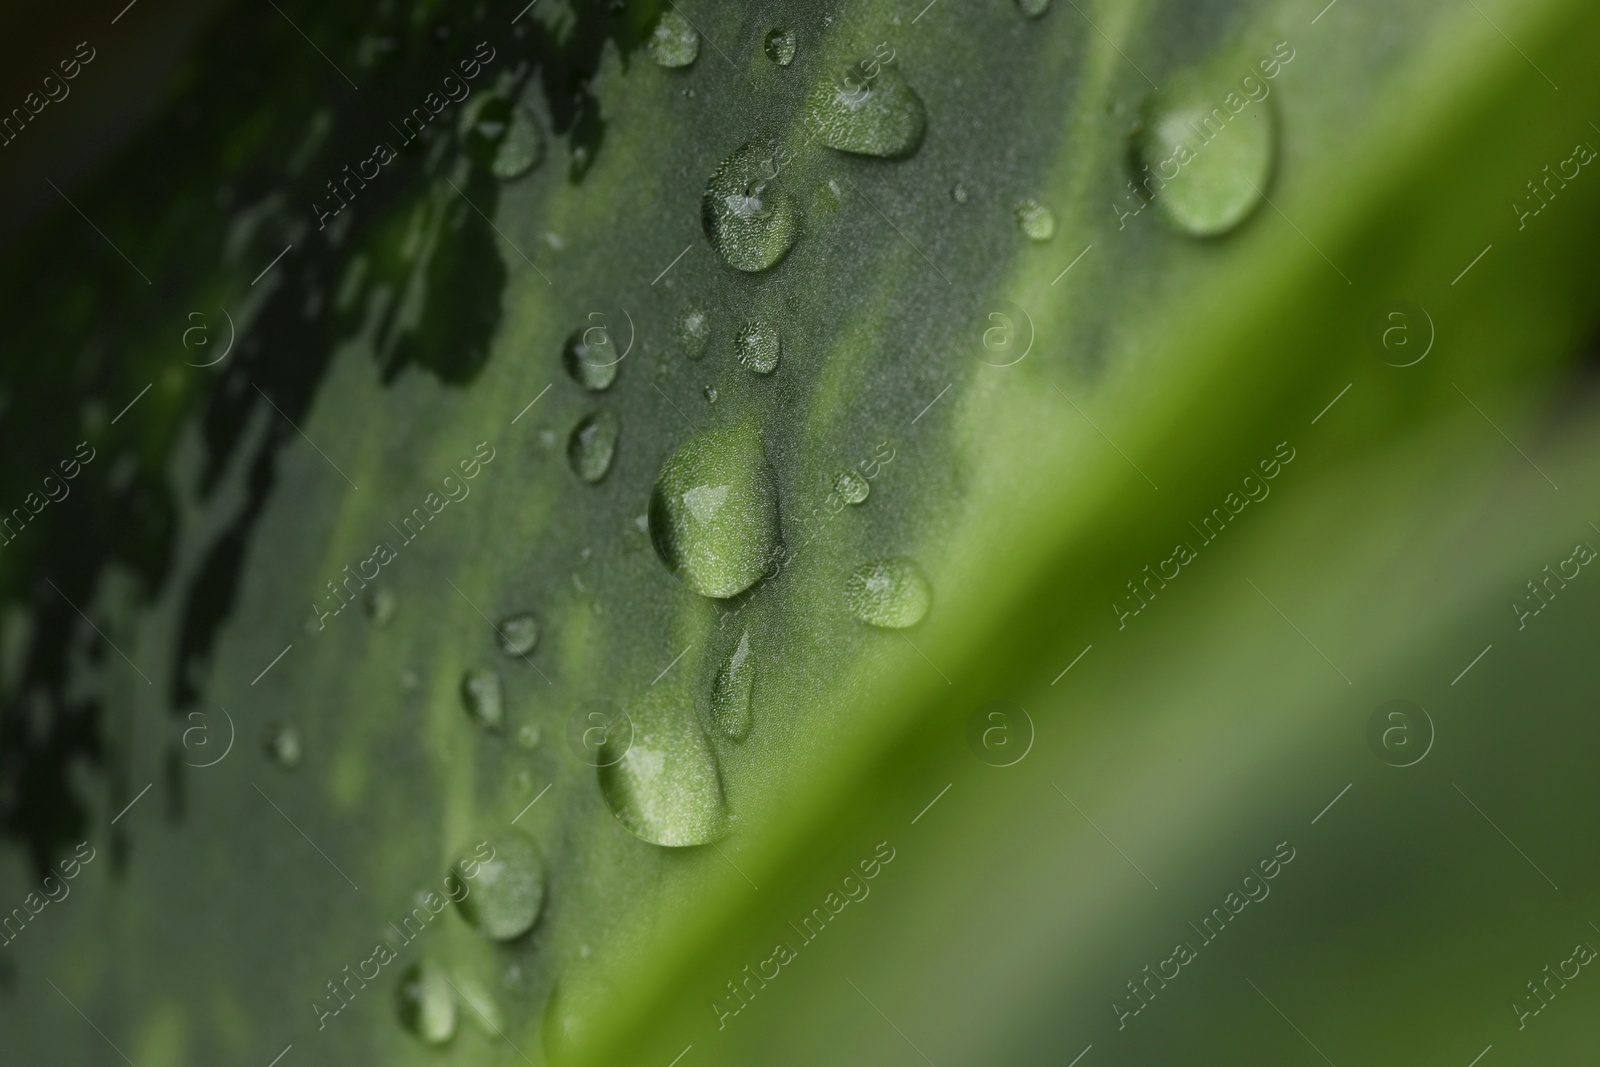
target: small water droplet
730 692
749 220
284 746
1037 222
381 606
674 42
1218 146
666 788
482 1007
427 1004
528 736
693 330
1033 8
521 147
593 445
780 47
484 698
711 394
506 880
851 486
868 109
714 511
589 359
518 634
958 193
758 347
891 593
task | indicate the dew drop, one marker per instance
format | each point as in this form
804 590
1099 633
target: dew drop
666 787
593 445
758 347
427 1004
693 330
891 593
714 511
518 634
589 359
506 880
1037 222
484 698
521 148
528 737
501 136
868 109
851 486
749 220
711 394
780 47
675 42
1222 161
381 606
958 193
284 746
1033 8
730 692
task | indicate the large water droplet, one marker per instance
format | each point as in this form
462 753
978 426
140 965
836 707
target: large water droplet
1037 222
426 1003
851 486
868 109
693 330
675 42
593 445
714 511
780 47
892 593
758 347
589 358
505 880
1207 154
730 692
518 634
483 697
666 788
747 217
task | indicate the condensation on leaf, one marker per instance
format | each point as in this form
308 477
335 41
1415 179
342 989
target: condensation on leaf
867 109
748 218
730 691
593 445
890 593
504 877
758 347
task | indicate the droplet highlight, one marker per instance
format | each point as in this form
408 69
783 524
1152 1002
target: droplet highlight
1037 222
748 218
889 593
851 487
483 698
780 47
714 511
